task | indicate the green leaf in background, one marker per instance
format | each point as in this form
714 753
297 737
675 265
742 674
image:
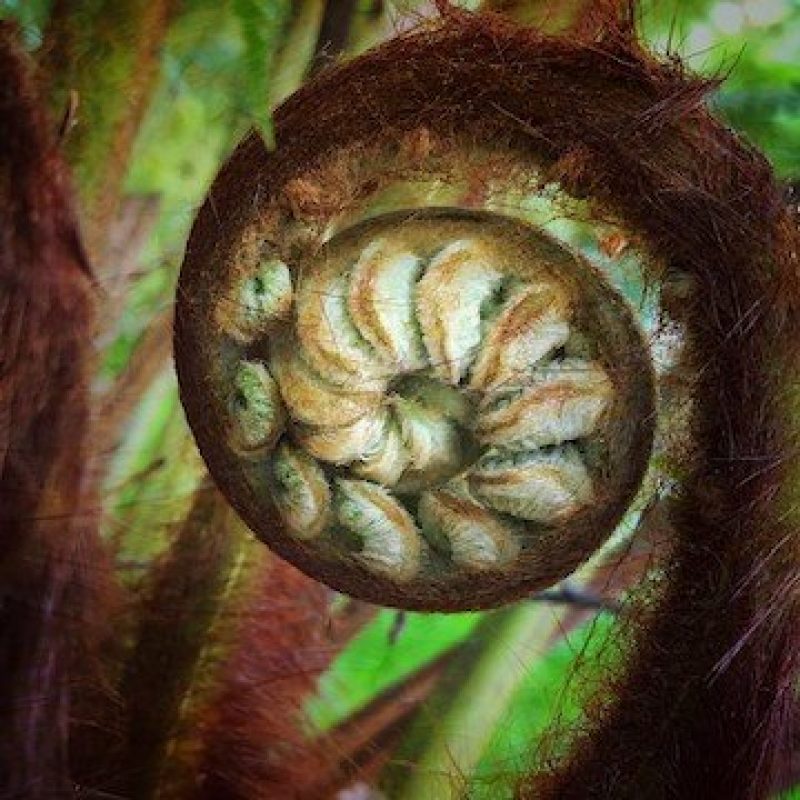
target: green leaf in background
381 655
263 23
30 15
755 45
544 696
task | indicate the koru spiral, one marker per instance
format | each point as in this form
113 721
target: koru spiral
435 408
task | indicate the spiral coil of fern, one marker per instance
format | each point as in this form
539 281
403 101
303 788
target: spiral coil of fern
433 402
433 408
615 126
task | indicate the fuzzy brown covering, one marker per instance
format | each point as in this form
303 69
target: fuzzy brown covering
180 601
255 745
704 705
52 568
310 196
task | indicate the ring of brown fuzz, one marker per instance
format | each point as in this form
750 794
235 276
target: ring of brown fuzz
363 491
435 409
706 700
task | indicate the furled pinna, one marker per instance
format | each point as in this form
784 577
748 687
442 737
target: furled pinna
422 401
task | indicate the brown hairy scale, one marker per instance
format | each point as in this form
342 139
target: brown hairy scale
254 740
704 703
53 572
